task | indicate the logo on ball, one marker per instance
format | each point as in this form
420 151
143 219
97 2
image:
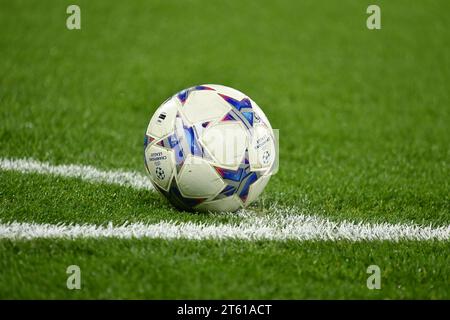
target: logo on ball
160 173
266 156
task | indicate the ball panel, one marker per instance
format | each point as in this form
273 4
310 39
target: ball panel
160 164
163 120
203 106
256 189
198 179
226 142
262 148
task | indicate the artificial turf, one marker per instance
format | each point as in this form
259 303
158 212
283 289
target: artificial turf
160 269
364 136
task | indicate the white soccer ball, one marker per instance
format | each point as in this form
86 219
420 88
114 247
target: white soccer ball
210 148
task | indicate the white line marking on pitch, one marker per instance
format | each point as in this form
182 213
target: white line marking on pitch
135 180
298 227
281 224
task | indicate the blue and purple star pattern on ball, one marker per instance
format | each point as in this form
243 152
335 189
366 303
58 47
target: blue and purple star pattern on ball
237 181
172 143
183 95
148 140
242 111
177 199
186 143
182 146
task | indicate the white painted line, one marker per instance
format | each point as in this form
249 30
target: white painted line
123 178
298 227
279 224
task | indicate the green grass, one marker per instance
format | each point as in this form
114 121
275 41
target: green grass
364 136
223 270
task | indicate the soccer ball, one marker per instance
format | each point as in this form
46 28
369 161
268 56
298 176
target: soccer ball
210 148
